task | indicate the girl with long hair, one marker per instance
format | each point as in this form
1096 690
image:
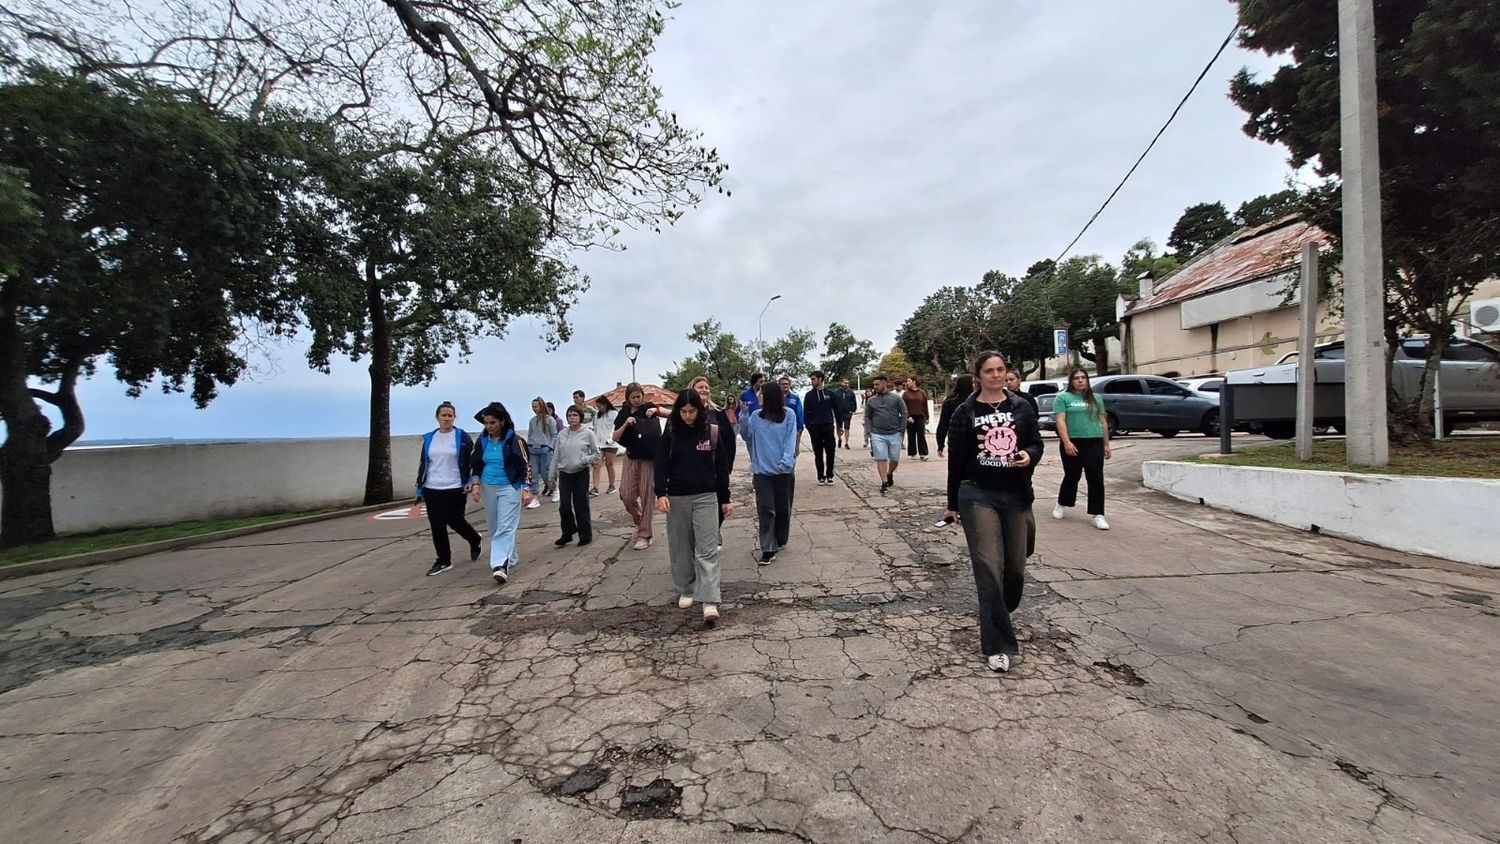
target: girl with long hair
442 476
963 385
604 429
994 442
1083 428
502 477
638 429
692 489
771 433
540 433
576 451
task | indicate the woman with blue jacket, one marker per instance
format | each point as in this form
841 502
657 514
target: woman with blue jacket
502 475
442 476
771 436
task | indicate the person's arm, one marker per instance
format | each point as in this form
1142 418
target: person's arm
1104 424
800 424
659 465
726 435
465 457
867 416
591 451
958 455
945 417
422 466
1033 444
723 461
1060 419
789 449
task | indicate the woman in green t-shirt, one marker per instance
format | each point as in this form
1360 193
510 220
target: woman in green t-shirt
1084 431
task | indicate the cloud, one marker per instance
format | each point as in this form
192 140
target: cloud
878 151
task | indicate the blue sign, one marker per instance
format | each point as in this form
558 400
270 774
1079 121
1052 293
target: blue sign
1060 342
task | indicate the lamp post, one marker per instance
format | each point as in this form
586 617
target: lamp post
759 341
632 351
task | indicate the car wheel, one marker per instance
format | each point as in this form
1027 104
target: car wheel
1210 426
1165 432
1114 425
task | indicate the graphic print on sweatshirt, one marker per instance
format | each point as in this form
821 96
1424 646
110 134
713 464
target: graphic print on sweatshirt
996 433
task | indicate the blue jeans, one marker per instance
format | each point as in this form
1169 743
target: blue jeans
502 512
541 467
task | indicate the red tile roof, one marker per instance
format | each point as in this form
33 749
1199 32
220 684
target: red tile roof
654 395
1247 255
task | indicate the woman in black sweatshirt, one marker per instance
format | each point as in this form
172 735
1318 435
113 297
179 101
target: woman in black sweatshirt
993 441
692 488
963 385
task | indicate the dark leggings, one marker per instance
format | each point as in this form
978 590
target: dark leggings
445 509
573 505
773 510
996 528
916 436
1090 464
824 441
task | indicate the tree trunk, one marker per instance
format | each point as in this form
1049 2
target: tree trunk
25 479
1101 356
378 486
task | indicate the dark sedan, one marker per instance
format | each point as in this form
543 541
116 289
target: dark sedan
1147 403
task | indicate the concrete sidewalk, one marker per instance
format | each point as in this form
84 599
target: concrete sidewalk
1188 675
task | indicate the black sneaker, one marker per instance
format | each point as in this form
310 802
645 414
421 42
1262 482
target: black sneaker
438 567
583 542
766 559
563 540
474 551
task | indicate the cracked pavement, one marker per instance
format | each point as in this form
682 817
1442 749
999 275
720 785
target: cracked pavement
1189 675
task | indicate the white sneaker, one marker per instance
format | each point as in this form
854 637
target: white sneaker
1100 523
685 602
556 497
998 663
500 576
1058 512
534 504
710 614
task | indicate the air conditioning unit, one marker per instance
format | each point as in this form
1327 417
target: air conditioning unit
1484 315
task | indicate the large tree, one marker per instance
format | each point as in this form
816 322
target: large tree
791 355
1269 207
943 332
1083 291
1200 227
560 90
1019 318
720 357
845 355
138 233
407 262
1438 85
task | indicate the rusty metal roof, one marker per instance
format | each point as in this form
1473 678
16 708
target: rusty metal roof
654 395
1247 255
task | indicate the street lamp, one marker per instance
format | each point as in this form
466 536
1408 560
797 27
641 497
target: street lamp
632 351
759 340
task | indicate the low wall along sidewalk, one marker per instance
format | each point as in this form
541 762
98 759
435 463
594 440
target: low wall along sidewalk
138 486
1451 518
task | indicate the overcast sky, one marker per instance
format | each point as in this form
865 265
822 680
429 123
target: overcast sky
877 151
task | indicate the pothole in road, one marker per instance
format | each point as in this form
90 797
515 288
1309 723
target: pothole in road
657 799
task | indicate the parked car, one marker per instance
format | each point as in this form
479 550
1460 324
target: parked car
1207 387
1037 389
1147 402
1469 379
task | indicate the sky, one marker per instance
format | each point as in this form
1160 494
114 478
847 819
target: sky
877 152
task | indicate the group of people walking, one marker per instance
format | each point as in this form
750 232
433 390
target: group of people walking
678 461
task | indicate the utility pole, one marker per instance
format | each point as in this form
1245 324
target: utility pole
1366 371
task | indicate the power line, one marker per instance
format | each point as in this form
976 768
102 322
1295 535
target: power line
1159 132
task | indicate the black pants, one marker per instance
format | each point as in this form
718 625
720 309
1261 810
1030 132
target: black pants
1090 464
824 441
445 509
573 505
773 510
995 526
916 436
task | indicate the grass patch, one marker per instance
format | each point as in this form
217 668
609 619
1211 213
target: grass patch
1464 457
86 542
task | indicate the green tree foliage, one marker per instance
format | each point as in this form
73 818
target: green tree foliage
1083 291
1269 207
408 261
845 355
896 364
791 355
1438 85
140 232
720 356
1019 319
1199 227
945 330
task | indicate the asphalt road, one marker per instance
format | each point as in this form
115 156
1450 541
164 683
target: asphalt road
1187 676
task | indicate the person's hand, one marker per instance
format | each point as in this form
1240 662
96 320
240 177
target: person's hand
1108 452
950 516
1023 459
663 504
474 491
727 509
940 454
630 421
1070 449
525 495
651 411
910 420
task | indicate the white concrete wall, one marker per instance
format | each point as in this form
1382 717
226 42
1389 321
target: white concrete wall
1451 518
132 486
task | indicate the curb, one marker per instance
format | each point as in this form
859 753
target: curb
125 552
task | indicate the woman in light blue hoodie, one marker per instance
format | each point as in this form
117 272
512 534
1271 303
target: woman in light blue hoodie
771 436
